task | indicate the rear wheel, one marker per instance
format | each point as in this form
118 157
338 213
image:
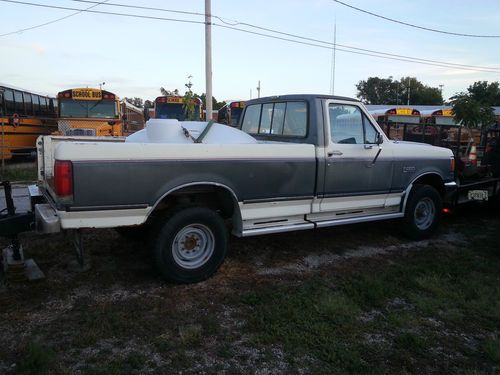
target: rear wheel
423 212
190 244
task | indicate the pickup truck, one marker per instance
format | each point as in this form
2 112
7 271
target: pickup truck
305 162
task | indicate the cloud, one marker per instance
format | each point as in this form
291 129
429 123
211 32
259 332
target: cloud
39 49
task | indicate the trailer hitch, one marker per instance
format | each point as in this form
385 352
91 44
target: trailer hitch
11 224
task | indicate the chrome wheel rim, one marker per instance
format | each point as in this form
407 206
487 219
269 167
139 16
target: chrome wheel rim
193 246
424 213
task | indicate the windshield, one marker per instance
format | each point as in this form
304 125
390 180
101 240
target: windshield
174 111
88 109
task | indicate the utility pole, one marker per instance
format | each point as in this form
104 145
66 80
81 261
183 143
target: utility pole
258 90
208 59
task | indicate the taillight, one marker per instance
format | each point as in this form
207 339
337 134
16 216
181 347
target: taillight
452 164
63 178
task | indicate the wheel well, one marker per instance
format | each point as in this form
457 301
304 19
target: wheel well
433 180
217 198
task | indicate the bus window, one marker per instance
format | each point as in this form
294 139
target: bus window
28 105
19 103
10 107
36 104
43 105
52 107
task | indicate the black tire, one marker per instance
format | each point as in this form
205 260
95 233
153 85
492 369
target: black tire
423 212
189 245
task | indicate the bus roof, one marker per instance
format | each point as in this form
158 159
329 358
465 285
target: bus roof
443 111
395 111
21 89
131 106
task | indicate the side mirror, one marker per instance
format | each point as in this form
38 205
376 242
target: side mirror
380 139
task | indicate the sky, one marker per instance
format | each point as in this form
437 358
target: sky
137 56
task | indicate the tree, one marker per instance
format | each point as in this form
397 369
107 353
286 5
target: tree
377 90
166 92
138 102
471 112
148 104
474 107
215 104
188 101
484 92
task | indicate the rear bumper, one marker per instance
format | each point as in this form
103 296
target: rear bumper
46 219
45 216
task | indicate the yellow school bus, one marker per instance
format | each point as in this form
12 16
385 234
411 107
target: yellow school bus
89 112
24 116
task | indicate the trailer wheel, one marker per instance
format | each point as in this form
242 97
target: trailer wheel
189 245
423 212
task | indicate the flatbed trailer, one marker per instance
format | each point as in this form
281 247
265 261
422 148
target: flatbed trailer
482 189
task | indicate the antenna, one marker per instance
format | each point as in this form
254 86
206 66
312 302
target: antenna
334 53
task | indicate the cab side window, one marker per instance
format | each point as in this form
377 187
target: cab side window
349 125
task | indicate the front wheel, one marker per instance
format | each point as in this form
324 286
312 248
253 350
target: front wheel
423 212
190 245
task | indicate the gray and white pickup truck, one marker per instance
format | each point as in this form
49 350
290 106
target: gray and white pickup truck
305 162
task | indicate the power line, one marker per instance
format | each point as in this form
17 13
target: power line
103 12
415 26
144 8
374 54
54 21
324 45
354 48
236 23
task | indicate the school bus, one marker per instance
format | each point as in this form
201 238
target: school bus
89 112
24 115
398 122
132 117
172 106
230 113
450 133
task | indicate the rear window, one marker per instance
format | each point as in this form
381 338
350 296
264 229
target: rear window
281 119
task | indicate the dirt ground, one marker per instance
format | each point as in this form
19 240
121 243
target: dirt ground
121 317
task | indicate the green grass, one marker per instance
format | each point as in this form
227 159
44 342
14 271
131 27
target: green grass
459 290
21 174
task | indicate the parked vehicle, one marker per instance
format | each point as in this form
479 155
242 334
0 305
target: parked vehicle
300 162
89 112
24 115
173 107
230 113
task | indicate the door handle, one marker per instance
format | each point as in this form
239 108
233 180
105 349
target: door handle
336 153
368 147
